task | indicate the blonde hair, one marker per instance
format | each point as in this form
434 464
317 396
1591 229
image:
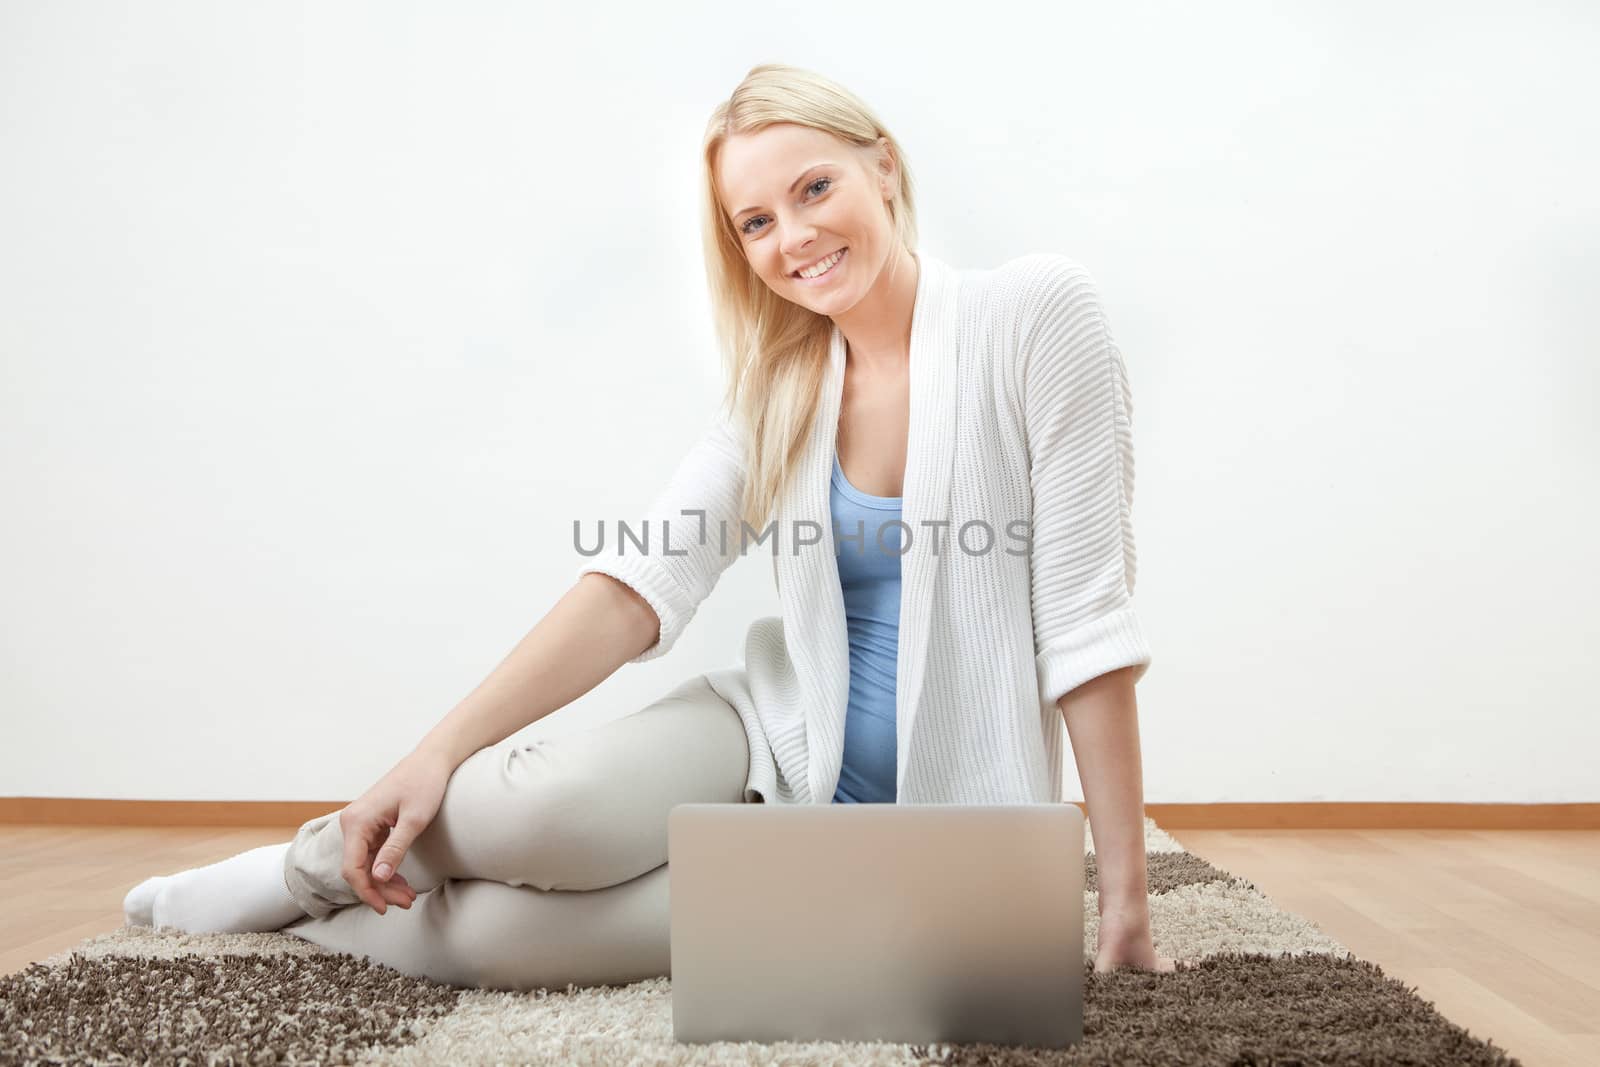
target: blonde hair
774 351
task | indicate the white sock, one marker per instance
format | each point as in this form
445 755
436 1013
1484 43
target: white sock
241 894
140 899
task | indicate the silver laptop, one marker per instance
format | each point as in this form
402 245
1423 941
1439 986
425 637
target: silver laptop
877 922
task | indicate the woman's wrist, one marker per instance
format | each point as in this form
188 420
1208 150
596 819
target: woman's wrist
438 748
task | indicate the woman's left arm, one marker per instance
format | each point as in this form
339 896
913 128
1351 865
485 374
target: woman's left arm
1078 414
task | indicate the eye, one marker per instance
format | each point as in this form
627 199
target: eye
745 228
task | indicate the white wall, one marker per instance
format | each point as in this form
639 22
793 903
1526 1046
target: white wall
322 323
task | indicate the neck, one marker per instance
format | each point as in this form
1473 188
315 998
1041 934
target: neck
877 330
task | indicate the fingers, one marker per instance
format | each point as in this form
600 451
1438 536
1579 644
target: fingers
397 891
405 831
376 892
357 849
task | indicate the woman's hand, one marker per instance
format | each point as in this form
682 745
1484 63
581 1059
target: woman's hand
380 825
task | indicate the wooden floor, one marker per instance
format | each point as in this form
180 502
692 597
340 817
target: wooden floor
1500 929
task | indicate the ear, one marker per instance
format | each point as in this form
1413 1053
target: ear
888 170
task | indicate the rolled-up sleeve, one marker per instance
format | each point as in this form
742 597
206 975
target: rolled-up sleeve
1078 410
673 555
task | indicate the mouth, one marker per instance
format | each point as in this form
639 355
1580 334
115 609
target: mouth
833 260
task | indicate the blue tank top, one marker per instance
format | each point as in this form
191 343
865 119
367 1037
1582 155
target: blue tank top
869 576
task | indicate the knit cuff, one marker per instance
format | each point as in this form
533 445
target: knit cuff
1095 648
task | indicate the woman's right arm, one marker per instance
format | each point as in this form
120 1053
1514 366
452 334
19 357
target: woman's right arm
599 625
626 607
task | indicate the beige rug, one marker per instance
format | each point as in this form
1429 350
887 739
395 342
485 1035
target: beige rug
1268 987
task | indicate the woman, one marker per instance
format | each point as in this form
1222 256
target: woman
967 434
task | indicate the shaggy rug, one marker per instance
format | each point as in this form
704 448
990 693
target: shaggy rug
1266 987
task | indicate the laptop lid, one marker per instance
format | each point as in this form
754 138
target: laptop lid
877 922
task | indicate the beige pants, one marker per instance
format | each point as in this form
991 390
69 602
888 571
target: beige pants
546 864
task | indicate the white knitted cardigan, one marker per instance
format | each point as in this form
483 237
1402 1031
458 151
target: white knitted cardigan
1020 411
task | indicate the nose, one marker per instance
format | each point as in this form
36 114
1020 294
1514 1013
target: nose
798 241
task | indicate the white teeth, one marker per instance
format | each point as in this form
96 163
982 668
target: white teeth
822 267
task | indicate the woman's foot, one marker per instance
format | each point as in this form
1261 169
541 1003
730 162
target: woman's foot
1125 942
1141 961
241 894
141 899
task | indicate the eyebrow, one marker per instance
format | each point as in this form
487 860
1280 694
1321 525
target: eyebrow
792 188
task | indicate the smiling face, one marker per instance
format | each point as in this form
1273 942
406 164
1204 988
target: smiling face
797 198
